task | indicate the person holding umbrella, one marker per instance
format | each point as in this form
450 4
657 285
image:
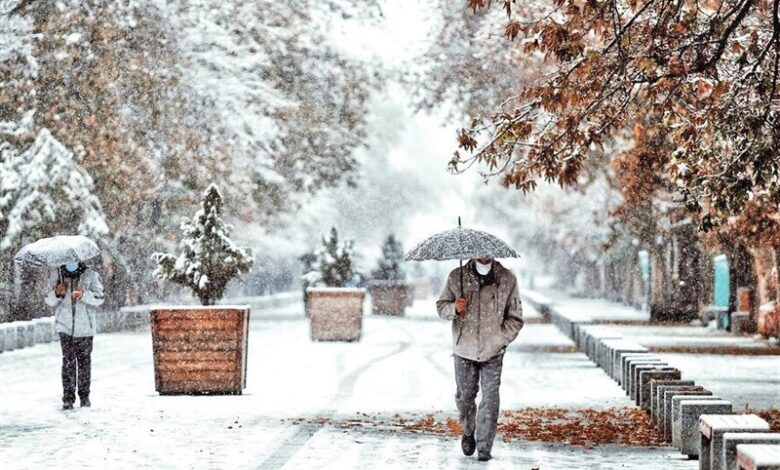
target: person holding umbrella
73 290
481 301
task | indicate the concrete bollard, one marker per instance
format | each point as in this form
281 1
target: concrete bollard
657 399
51 330
732 439
690 411
713 427
591 339
668 413
646 379
758 456
635 370
614 360
612 349
674 422
107 322
11 337
657 386
4 346
42 331
631 366
627 358
25 334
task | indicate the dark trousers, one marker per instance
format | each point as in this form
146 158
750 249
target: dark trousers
480 422
76 366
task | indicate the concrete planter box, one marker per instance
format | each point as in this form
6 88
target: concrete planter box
388 297
200 350
335 314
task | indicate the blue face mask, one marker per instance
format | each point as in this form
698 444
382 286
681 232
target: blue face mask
71 267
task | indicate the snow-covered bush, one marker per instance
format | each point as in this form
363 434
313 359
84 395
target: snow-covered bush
208 258
333 264
43 191
389 266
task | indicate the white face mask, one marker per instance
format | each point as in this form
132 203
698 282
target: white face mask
483 269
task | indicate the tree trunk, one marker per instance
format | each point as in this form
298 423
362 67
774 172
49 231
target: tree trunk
689 285
777 271
742 273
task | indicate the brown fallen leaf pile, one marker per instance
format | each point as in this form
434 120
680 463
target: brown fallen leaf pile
772 416
581 427
586 428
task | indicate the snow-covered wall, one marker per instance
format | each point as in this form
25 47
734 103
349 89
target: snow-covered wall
23 334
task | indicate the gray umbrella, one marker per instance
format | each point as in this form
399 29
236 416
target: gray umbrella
56 251
52 252
460 243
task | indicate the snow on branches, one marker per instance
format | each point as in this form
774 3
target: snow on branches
333 263
706 74
43 190
389 266
208 258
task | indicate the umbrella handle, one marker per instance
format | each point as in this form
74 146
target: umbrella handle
461 269
461 278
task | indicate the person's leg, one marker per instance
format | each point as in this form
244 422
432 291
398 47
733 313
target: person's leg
467 385
68 369
487 416
84 358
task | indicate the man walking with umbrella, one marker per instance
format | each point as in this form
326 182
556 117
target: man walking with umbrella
482 302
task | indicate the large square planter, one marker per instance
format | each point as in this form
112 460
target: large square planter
200 350
388 297
335 314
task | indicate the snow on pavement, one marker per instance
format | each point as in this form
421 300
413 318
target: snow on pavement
401 365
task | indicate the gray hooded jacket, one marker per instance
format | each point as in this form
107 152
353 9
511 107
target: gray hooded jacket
494 315
84 322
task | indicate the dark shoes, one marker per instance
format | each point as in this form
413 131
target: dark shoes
468 444
484 456
68 405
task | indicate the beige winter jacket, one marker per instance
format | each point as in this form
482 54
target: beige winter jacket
494 315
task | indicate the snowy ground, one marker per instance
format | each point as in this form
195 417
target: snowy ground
401 365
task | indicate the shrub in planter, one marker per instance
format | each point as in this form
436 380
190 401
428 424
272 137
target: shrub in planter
388 288
335 307
202 349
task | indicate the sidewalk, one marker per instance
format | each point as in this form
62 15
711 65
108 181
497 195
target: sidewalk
401 366
742 369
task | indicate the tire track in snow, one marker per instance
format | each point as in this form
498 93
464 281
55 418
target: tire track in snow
290 446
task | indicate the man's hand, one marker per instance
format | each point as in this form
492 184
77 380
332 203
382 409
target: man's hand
461 305
78 294
60 290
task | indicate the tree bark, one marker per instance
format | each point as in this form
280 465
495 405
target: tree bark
777 272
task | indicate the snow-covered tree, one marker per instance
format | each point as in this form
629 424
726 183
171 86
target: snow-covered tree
43 191
208 258
158 99
389 266
333 263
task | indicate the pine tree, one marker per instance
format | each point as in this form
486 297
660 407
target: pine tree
333 266
43 191
389 267
208 259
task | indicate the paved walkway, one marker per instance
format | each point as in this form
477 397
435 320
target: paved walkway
401 365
